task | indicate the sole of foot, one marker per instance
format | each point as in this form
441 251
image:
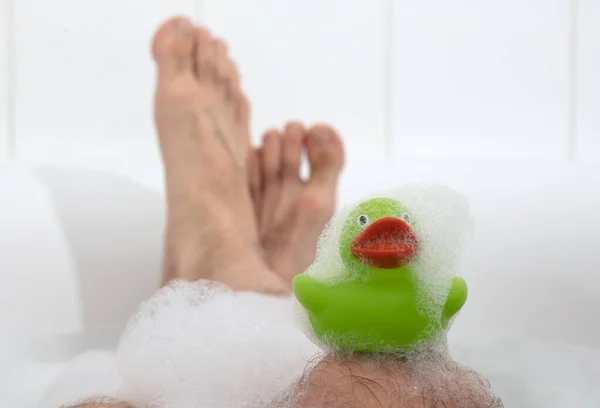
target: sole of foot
202 121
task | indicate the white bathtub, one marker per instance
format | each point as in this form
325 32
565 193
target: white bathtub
80 247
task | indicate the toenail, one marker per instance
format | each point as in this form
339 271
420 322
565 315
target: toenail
183 26
322 136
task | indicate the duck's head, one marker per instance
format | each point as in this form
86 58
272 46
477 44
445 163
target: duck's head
378 235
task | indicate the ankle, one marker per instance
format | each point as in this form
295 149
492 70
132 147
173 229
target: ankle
220 253
252 275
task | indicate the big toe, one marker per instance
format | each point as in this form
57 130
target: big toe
325 153
173 47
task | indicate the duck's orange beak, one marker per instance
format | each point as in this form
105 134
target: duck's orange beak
388 243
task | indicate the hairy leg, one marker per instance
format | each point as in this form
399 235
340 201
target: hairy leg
384 381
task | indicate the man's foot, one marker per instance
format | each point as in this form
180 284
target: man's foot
291 212
202 119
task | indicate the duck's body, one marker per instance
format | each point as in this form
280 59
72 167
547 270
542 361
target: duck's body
379 316
376 308
363 317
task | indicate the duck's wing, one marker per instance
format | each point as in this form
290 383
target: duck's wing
456 300
309 292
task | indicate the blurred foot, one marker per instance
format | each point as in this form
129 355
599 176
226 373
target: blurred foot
292 212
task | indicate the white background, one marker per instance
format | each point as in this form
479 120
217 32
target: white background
500 99
424 78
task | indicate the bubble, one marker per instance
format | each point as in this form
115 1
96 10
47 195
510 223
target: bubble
203 343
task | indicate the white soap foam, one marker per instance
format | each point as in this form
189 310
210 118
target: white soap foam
201 344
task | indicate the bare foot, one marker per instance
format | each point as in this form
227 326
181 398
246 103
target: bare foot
202 122
292 213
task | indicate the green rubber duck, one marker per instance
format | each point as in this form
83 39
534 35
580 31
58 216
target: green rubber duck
374 308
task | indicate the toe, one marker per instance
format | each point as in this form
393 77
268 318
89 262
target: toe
271 157
325 154
271 185
254 179
206 54
292 149
226 71
173 47
242 106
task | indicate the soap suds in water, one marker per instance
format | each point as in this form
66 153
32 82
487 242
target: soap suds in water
187 357
202 343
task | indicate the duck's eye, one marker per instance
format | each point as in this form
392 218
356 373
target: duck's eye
406 218
363 220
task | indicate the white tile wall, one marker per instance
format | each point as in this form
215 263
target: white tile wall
433 78
480 78
4 89
84 75
310 59
588 86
